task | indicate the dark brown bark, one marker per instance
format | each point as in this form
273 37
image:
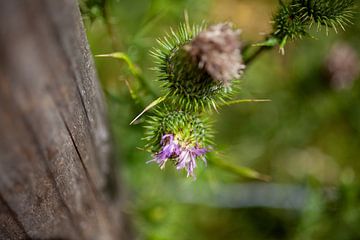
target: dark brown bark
55 158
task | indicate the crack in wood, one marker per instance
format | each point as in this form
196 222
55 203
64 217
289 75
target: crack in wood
92 186
51 175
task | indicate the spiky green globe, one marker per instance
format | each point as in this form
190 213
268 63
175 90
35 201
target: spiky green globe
188 128
328 13
190 84
287 24
191 87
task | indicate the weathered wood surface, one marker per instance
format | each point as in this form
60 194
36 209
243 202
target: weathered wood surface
56 179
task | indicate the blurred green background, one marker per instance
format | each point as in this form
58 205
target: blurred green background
307 138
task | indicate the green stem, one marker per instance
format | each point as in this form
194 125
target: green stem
109 27
250 55
250 58
238 170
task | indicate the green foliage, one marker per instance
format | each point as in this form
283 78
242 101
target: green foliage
92 8
307 137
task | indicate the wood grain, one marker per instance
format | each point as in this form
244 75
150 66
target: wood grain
55 153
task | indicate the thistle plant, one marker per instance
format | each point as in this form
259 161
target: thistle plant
199 68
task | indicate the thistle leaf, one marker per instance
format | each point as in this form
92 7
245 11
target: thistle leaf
245 101
122 56
151 105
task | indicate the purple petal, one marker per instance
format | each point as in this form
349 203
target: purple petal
185 156
187 160
183 159
164 138
199 151
169 149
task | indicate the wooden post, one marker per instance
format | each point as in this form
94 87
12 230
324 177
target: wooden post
56 174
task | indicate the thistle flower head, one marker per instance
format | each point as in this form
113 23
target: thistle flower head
287 24
196 66
295 17
342 66
184 156
178 137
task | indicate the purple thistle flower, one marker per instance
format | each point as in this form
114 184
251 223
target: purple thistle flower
184 157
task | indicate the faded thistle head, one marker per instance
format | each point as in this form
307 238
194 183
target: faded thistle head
342 66
197 65
217 51
179 137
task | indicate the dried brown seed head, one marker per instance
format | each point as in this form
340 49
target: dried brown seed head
217 50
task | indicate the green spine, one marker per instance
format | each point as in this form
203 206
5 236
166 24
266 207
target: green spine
189 128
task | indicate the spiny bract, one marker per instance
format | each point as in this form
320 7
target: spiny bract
188 127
